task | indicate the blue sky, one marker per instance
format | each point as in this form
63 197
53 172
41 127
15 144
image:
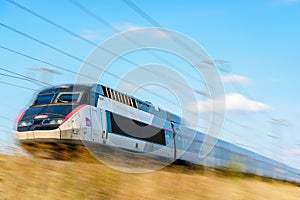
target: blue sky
259 38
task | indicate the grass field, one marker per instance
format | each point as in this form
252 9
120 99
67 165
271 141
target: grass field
23 177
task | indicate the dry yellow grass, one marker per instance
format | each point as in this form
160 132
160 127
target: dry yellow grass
24 177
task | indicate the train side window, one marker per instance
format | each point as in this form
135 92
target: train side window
118 97
122 98
134 103
126 99
115 95
107 92
111 94
131 103
142 131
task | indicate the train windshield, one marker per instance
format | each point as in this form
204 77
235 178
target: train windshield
57 98
44 99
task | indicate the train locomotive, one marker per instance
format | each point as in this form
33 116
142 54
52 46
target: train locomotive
77 114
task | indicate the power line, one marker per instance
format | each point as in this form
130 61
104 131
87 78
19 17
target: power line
142 13
66 53
116 30
93 15
57 49
4 126
5 131
42 42
26 77
71 32
50 22
16 77
70 55
19 86
148 18
65 30
20 78
44 62
6 118
78 59
99 19
132 5
78 36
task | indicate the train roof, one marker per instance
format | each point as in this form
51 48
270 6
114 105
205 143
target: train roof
99 88
65 87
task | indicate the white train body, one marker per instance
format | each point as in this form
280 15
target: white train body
86 123
95 114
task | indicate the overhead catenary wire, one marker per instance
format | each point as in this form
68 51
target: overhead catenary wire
149 18
101 20
116 30
44 62
6 118
21 75
79 59
6 127
107 24
71 32
152 21
128 2
67 31
21 78
19 86
54 48
5 130
142 13
43 43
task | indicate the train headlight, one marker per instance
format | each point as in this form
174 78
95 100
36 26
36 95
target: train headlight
55 121
25 123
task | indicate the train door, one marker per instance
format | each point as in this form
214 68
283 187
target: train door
102 119
97 126
82 124
104 125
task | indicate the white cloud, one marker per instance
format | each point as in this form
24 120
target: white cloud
294 152
91 35
130 27
233 78
126 27
238 102
233 102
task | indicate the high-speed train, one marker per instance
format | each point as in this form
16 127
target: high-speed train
77 114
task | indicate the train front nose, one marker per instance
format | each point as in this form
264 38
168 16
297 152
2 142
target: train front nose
39 122
42 122
40 127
